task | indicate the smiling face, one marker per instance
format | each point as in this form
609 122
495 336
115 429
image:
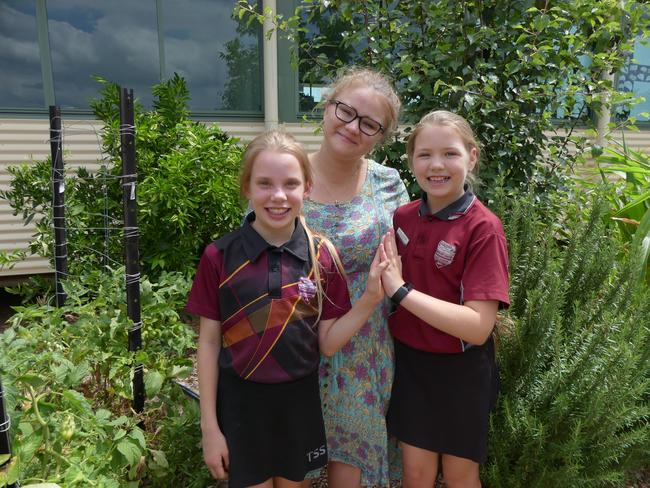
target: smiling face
344 139
440 163
276 190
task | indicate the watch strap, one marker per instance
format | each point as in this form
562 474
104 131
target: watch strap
401 292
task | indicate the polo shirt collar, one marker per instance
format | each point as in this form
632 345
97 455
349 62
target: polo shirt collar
254 244
452 211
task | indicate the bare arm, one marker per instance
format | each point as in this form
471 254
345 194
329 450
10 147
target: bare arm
215 449
333 334
472 322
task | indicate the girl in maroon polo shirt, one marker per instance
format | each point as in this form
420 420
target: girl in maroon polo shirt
271 296
447 276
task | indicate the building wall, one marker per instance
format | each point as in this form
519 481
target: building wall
26 140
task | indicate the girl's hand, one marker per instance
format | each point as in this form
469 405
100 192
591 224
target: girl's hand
391 277
374 290
215 453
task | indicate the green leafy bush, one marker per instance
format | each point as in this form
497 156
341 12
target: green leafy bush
67 374
624 180
188 191
574 350
524 73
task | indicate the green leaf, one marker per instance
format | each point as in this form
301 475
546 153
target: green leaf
31 379
130 451
638 202
153 382
159 458
76 400
138 435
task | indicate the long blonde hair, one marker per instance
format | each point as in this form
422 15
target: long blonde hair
284 143
368 78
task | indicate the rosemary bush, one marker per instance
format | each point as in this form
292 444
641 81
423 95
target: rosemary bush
574 350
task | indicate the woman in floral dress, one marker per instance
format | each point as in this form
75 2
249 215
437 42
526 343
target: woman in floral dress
352 202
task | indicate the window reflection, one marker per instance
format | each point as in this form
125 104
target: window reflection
635 77
117 40
20 65
218 56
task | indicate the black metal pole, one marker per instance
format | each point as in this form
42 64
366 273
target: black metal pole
5 424
5 445
127 140
58 205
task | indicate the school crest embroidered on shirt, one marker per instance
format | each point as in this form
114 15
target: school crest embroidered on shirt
445 253
306 289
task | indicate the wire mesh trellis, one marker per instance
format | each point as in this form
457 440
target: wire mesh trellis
94 232
128 180
129 230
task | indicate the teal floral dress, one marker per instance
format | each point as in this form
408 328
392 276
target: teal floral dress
356 382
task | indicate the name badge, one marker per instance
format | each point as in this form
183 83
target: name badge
402 236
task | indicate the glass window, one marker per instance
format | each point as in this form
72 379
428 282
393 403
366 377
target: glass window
218 56
20 64
117 40
635 77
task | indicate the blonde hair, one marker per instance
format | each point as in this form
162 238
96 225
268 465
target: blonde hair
447 119
368 78
284 143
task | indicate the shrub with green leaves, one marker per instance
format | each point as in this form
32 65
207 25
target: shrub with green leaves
574 350
188 192
67 374
524 73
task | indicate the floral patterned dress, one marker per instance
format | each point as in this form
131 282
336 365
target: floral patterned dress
356 382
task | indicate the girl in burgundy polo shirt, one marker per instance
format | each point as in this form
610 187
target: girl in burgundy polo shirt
271 297
447 276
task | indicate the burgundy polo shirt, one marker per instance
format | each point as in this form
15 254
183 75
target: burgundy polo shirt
457 254
265 298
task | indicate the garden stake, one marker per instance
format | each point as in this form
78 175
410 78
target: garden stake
58 204
127 143
5 424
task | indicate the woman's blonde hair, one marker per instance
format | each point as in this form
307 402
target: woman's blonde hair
284 143
447 119
368 78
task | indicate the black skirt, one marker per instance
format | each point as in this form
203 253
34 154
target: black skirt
271 429
442 402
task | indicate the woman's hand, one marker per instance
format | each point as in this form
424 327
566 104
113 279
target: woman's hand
215 453
391 277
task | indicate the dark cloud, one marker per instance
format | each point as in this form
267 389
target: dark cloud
117 40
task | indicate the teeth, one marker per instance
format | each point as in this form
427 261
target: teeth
278 211
438 178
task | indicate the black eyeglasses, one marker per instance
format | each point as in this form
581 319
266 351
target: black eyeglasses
347 114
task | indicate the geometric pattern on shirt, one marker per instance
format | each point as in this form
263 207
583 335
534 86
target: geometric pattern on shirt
249 334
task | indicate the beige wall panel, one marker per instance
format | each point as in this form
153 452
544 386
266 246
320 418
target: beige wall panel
25 140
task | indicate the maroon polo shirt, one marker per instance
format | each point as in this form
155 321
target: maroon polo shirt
457 254
265 299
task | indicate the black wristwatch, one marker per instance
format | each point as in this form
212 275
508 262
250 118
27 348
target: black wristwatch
401 292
